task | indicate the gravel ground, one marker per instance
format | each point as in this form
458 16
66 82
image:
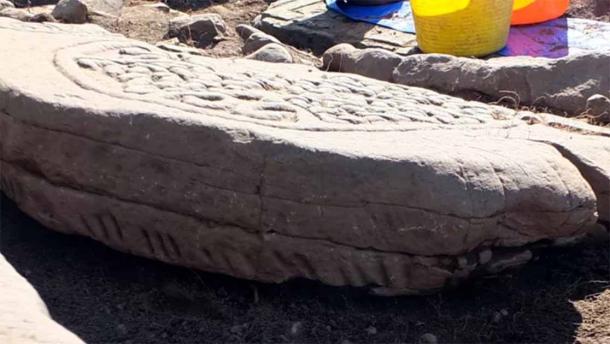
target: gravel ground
590 9
108 297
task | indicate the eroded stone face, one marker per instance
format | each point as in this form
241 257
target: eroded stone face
273 172
321 102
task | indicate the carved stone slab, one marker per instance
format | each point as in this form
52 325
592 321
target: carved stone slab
308 24
272 172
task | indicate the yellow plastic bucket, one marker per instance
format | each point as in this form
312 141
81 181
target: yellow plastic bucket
462 27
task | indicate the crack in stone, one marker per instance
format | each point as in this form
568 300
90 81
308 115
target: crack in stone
213 223
363 203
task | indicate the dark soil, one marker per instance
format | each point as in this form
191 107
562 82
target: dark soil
108 297
151 25
233 12
590 9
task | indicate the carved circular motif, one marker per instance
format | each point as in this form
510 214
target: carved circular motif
309 101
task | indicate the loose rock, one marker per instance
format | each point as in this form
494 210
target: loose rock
333 58
16 13
296 329
374 63
78 11
562 84
122 330
272 53
428 338
258 40
71 11
599 106
239 329
485 256
42 18
6 3
36 14
255 39
202 29
244 31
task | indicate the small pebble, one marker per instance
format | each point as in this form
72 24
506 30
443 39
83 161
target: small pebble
296 328
485 256
122 329
497 317
428 338
238 329
371 330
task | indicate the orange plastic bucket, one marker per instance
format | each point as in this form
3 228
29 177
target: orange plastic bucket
537 11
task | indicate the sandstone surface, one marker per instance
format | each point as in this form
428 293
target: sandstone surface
564 84
274 171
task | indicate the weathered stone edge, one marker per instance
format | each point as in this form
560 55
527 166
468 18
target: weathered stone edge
82 169
539 82
177 239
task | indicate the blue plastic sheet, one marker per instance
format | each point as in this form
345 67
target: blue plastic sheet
395 16
552 39
558 38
